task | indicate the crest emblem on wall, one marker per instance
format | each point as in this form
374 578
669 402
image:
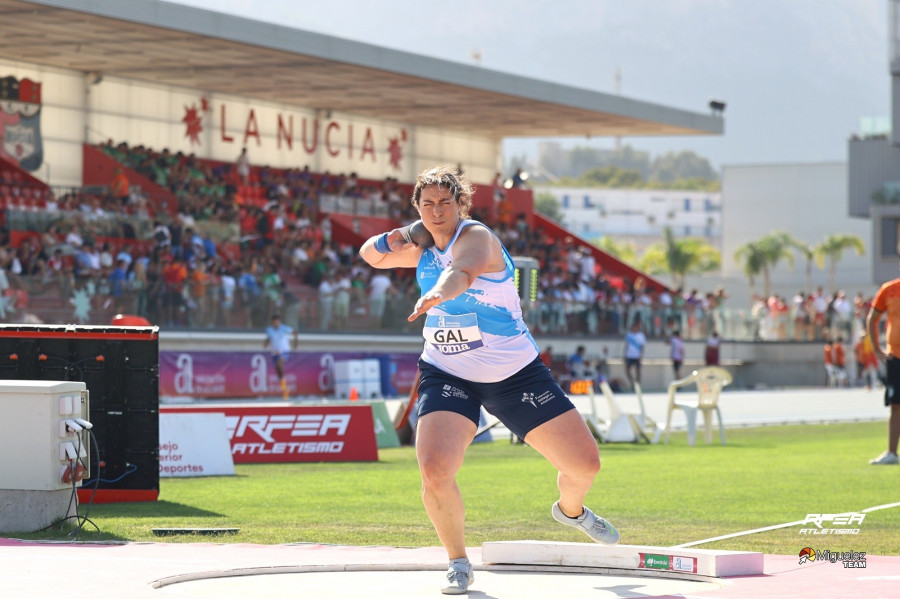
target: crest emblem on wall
20 122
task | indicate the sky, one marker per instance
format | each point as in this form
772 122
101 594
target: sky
797 76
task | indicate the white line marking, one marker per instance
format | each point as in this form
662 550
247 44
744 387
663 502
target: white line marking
739 534
776 527
881 507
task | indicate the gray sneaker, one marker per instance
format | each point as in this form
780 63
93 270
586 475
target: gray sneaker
459 576
590 524
886 458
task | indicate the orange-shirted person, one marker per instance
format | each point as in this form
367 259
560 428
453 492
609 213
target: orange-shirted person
866 362
504 212
120 187
547 356
827 354
887 301
834 362
174 274
828 357
200 280
839 359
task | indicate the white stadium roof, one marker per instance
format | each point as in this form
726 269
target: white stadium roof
169 44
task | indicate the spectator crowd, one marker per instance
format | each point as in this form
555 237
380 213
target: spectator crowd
249 241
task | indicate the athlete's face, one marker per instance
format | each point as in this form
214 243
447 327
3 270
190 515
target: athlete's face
438 210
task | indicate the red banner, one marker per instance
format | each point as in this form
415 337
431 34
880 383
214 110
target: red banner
266 434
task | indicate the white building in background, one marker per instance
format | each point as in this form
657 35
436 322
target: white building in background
639 215
809 201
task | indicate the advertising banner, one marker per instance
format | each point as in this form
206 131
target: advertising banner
194 444
247 374
271 433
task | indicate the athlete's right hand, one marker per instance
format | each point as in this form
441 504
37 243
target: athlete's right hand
397 241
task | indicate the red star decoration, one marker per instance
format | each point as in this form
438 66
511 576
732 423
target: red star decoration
395 152
204 104
194 123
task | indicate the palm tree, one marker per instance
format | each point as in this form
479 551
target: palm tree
763 255
681 257
750 257
808 252
623 250
678 257
833 249
653 260
776 246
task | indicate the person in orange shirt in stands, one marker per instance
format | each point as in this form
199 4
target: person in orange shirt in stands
836 376
504 211
547 356
200 280
839 360
866 362
120 187
174 275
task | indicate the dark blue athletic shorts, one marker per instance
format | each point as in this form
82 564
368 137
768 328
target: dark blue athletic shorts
522 402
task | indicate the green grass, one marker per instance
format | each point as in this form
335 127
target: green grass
656 495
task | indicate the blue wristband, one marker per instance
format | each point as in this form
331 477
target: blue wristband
382 246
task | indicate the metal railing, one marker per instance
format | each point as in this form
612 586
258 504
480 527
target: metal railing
62 298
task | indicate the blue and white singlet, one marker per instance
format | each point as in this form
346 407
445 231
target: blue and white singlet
480 335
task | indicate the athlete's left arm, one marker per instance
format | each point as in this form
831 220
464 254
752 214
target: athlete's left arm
872 320
475 252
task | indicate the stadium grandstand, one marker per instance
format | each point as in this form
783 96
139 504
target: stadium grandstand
204 171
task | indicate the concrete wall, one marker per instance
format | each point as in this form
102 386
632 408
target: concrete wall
77 110
872 163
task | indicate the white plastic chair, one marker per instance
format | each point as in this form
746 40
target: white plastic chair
709 382
622 427
597 425
650 429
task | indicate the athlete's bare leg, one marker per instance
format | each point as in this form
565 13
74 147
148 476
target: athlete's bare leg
568 444
894 428
441 442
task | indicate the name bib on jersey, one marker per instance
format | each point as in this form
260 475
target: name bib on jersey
453 334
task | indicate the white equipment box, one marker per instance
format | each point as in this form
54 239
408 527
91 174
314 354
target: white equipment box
46 443
362 375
